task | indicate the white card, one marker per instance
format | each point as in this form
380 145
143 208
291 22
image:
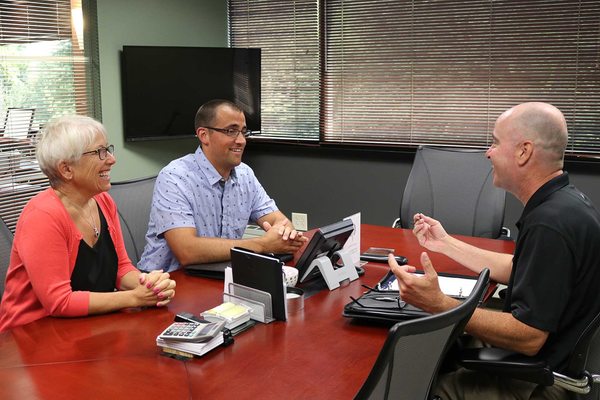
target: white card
352 245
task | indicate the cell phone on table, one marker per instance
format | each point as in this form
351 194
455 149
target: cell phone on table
192 331
380 254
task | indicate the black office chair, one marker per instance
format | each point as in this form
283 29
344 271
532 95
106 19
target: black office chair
581 376
6 239
454 186
412 354
134 200
593 364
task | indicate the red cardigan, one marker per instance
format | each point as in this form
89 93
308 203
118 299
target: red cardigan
38 280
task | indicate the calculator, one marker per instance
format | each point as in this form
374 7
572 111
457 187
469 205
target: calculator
192 331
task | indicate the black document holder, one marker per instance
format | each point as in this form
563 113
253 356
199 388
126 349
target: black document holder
369 306
263 273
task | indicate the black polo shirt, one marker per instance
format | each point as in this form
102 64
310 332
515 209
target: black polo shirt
556 267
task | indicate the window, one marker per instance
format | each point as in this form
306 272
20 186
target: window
45 71
405 73
288 34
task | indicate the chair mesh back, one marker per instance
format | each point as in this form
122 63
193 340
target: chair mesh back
454 186
134 200
381 388
593 366
414 349
6 239
418 357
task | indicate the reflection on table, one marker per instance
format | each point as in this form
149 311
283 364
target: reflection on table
316 354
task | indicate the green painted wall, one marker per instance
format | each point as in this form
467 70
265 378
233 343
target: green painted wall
158 23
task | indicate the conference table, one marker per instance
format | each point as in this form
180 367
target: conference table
315 354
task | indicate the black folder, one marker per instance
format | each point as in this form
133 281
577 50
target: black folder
263 273
382 303
208 270
216 270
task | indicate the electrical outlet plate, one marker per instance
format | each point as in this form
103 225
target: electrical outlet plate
300 221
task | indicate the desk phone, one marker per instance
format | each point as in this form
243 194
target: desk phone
192 331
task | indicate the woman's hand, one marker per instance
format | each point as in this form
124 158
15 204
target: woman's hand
159 284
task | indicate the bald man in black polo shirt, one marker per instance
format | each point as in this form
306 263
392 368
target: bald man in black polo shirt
552 278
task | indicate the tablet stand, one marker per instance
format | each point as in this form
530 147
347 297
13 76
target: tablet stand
333 276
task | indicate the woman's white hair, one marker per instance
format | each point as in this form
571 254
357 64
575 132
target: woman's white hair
65 139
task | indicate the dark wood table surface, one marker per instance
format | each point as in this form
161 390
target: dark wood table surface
316 354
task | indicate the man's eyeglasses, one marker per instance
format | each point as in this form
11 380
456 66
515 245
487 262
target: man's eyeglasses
387 299
231 132
102 151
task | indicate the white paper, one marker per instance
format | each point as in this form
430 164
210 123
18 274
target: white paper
192 347
450 285
457 287
228 279
352 245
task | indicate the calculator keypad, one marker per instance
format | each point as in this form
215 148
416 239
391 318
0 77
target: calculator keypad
182 329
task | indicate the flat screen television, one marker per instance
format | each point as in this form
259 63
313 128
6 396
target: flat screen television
325 241
163 87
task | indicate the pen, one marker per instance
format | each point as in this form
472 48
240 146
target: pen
394 299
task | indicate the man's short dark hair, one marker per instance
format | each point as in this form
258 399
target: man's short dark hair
207 112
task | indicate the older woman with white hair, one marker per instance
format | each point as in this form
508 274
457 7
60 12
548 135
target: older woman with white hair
68 257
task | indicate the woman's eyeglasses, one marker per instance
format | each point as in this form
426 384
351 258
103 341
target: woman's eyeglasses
102 151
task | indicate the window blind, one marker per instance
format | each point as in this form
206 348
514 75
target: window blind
46 70
288 34
441 72
411 72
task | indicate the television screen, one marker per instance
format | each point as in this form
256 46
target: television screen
163 87
326 241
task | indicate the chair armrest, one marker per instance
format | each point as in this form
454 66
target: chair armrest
507 363
505 234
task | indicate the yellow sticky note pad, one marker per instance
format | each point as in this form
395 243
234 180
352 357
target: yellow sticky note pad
228 310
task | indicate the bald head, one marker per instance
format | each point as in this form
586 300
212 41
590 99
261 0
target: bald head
544 125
